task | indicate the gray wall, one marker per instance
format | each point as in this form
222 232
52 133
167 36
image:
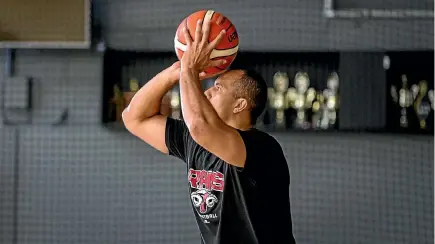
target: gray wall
82 183
267 25
85 184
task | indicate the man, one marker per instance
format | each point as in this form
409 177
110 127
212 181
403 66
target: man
238 176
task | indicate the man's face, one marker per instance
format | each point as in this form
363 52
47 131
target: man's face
221 96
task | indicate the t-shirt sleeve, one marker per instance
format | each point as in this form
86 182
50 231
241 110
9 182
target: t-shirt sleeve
177 138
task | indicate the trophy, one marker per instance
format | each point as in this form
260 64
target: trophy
301 98
430 95
117 103
121 99
326 104
422 106
134 87
404 99
175 103
318 109
278 99
331 95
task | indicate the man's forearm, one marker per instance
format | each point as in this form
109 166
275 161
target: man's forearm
195 106
147 101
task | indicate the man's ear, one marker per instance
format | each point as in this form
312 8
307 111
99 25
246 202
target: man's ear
241 104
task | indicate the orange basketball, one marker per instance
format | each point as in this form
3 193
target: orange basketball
228 47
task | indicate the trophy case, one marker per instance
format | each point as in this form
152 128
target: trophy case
124 74
410 81
303 87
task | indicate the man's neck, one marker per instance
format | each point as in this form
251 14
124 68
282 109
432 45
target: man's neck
242 125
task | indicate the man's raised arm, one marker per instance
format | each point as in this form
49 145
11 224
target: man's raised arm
142 117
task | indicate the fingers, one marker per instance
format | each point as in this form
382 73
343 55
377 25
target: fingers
217 40
187 36
213 63
176 64
206 30
198 31
216 63
202 75
202 33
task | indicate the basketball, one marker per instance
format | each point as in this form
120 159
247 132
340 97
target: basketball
227 48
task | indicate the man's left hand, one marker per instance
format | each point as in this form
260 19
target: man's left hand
197 54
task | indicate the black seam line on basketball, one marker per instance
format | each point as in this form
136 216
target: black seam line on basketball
225 30
223 20
182 43
229 22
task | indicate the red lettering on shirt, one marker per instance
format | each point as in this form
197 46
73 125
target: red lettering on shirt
202 179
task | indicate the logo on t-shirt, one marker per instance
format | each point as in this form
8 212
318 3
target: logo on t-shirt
205 186
203 200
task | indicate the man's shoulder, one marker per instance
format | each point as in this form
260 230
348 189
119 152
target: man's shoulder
264 152
261 137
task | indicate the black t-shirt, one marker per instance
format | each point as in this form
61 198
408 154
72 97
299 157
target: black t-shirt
247 205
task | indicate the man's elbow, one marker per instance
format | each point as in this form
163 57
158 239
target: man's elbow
126 116
129 120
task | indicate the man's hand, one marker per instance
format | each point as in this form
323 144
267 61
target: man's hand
172 73
197 55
